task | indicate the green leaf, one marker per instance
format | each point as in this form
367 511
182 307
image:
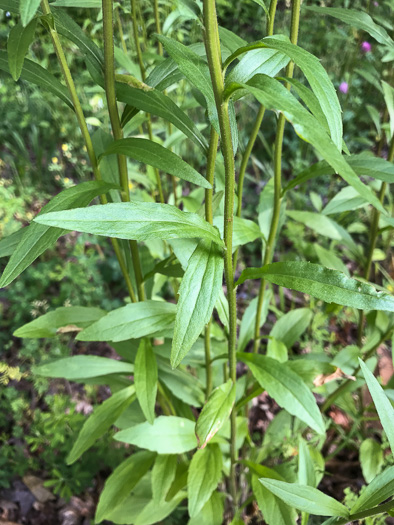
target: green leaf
156 512
330 260
371 459
198 294
155 155
163 475
266 61
388 93
215 412
8 244
383 406
347 199
86 4
230 40
145 379
244 230
133 321
27 10
211 513
277 350
380 488
286 387
246 332
37 238
83 367
67 318
18 43
181 384
122 481
167 435
291 326
306 469
328 285
103 417
133 220
274 511
356 18
307 499
205 472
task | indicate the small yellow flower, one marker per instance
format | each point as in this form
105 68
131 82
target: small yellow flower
55 160
130 185
390 288
66 180
64 147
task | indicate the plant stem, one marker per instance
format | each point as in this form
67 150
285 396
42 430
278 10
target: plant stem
212 45
120 29
271 17
109 74
87 139
157 24
295 22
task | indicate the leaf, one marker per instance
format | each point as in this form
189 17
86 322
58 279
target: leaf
103 417
133 321
182 385
286 388
275 512
306 469
133 220
198 294
266 61
330 260
211 513
383 406
155 512
388 93
167 435
380 488
307 499
83 367
18 43
371 459
48 325
246 332
155 155
122 481
347 199
230 40
9 243
244 230
37 238
163 475
27 10
215 413
86 4
277 350
205 472
291 326
145 379
328 285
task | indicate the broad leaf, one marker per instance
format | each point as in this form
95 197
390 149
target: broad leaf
215 412
328 285
27 10
291 326
198 294
371 459
145 379
83 367
211 513
347 199
103 417
163 475
140 221
156 512
205 472
18 43
133 321
274 510
380 488
167 435
286 387
266 61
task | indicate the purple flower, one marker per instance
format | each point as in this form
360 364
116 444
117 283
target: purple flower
376 4
366 47
344 87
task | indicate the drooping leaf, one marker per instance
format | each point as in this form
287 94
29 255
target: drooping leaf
140 221
83 367
145 379
122 481
307 499
215 412
163 475
103 417
323 283
286 387
167 435
204 475
380 488
371 459
198 294
18 43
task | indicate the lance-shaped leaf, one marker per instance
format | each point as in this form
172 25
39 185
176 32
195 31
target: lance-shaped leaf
274 510
103 417
286 387
215 413
155 155
380 488
198 294
140 221
133 321
145 379
266 61
37 238
244 230
248 320
18 43
204 475
371 459
8 244
167 435
307 499
122 481
323 283
27 10
273 95
83 367
383 406
163 475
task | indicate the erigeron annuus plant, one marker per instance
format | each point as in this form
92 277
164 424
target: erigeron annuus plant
178 453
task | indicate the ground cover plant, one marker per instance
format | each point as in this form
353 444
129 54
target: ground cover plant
236 244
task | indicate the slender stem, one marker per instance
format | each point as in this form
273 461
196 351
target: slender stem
212 45
120 29
87 139
109 78
136 39
157 24
295 22
271 18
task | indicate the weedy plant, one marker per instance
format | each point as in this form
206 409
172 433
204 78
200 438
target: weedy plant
184 382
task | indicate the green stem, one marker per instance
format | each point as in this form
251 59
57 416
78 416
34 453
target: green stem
295 23
271 17
157 24
136 39
87 139
120 29
109 78
212 45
